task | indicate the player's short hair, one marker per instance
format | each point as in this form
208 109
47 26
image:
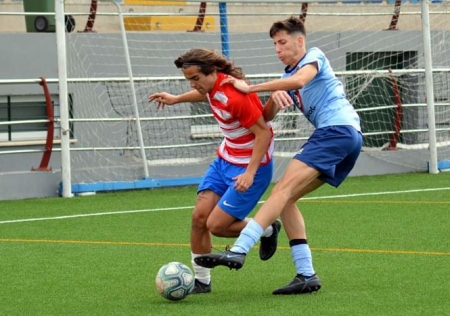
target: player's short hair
208 61
291 25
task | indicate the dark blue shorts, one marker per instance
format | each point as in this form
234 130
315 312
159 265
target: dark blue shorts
332 151
219 179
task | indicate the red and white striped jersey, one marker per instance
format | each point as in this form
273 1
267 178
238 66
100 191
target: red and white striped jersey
235 112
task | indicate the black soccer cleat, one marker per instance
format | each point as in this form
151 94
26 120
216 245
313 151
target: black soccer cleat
269 244
200 287
300 285
232 260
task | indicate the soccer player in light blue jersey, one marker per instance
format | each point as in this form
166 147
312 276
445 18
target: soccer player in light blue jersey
328 156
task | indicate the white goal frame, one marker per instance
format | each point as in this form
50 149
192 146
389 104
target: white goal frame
64 102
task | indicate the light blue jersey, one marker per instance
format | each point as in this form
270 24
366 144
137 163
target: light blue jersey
322 100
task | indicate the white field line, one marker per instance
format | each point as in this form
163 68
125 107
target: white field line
191 207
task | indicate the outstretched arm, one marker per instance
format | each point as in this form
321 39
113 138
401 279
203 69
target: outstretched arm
164 98
297 81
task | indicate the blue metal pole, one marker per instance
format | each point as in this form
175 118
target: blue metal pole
224 29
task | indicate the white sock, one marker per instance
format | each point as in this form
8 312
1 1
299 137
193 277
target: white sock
202 274
268 232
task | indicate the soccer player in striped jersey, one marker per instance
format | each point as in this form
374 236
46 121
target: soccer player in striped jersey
328 156
242 171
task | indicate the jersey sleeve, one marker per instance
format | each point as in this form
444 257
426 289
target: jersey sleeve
314 55
246 108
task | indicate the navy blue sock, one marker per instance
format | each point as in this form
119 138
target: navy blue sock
301 255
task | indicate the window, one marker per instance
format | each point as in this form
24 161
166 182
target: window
25 108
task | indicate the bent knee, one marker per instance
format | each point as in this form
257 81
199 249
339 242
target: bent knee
199 218
216 228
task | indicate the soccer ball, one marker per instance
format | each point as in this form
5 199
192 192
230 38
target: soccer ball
174 281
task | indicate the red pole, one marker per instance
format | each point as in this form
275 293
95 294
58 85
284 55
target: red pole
396 16
50 129
200 17
398 113
91 19
304 12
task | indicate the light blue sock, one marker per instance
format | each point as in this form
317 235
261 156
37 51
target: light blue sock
301 255
248 238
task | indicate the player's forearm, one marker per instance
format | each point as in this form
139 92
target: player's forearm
262 142
270 110
291 83
191 96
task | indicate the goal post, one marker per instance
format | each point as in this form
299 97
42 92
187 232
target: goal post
66 178
398 79
426 28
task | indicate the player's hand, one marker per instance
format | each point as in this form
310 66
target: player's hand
162 99
282 99
243 182
241 85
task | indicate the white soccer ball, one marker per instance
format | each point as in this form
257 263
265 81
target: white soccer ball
174 281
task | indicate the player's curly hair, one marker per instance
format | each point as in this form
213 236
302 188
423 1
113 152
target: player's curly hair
208 61
291 25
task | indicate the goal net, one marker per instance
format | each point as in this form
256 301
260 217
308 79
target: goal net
119 140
